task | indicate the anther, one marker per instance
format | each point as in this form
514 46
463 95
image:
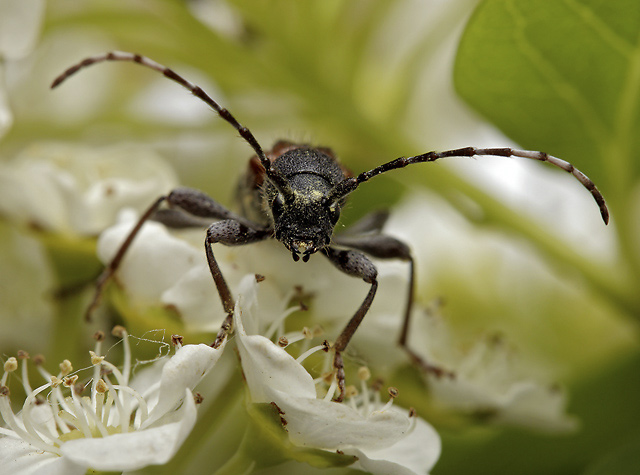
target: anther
119 331
11 365
78 388
350 391
23 355
70 380
176 340
55 381
4 391
413 412
393 392
66 367
364 374
308 334
377 384
198 398
259 278
38 360
98 336
95 359
101 386
283 341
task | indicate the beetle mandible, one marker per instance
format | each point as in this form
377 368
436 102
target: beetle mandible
294 193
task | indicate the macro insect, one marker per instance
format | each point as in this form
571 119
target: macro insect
294 193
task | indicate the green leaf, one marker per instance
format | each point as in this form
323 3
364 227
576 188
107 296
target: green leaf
562 76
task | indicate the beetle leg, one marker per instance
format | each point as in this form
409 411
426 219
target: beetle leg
231 233
191 204
386 247
358 265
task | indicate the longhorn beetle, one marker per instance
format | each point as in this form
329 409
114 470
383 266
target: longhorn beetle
294 193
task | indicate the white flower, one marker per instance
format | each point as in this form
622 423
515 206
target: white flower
80 190
490 381
19 29
384 438
115 428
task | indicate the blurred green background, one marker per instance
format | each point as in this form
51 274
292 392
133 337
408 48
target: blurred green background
376 80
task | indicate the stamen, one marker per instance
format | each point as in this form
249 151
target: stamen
332 390
29 425
176 340
280 320
309 352
142 404
80 414
350 391
12 422
124 415
93 416
95 359
66 367
25 373
393 393
107 408
413 420
126 364
364 374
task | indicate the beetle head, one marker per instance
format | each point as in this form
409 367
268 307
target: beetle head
304 222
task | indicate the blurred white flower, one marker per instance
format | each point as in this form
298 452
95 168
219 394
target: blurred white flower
384 438
118 427
79 190
19 27
490 381
20 24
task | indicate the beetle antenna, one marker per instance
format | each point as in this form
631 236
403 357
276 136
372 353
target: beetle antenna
348 185
274 175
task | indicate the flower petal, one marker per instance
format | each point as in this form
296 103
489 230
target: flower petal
184 370
333 426
269 369
20 458
415 454
134 450
273 375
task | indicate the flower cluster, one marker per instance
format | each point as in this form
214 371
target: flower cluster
146 418
112 421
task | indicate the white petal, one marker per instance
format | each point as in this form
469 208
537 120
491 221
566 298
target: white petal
329 425
184 370
19 27
146 272
17 457
138 449
195 296
6 117
415 454
268 368
274 376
